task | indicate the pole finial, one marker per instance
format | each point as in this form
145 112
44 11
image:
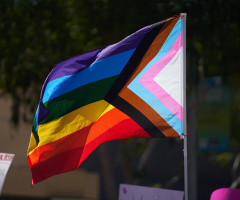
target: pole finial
183 16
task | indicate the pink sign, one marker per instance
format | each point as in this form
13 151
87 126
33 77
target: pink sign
226 194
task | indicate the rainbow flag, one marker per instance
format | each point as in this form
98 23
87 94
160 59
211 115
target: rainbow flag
131 89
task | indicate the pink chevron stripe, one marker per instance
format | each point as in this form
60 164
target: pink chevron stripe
148 82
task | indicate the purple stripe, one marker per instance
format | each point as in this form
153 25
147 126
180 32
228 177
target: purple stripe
43 112
73 65
128 43
78 63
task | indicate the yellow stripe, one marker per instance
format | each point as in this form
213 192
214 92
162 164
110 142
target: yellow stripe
71 122
32 144
110 107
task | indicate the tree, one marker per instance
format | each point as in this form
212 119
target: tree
38 34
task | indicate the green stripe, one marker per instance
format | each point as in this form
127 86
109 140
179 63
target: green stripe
78 98
34 130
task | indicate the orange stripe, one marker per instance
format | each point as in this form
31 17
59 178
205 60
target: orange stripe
69 152
82 136
105 122
74 140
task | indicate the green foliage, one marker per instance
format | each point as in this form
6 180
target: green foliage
38 34
157 185
221 158
35 36
134 147
224 158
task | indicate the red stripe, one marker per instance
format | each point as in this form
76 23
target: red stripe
57 157
73 156
124 130
74 140
61 163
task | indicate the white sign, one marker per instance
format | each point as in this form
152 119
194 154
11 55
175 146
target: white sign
132 192
5 162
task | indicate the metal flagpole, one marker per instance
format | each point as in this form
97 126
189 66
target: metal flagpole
184 18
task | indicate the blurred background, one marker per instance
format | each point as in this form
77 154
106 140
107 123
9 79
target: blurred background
35 35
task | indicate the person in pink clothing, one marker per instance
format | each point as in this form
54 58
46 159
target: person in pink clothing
226 194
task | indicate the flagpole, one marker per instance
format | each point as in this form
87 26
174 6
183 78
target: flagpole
184 18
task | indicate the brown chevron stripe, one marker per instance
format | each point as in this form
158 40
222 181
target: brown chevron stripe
151 114
137 102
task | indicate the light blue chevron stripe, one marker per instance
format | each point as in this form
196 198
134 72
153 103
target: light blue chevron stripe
147 96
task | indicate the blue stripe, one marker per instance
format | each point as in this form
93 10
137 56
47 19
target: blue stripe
99 70
36 119
147 96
